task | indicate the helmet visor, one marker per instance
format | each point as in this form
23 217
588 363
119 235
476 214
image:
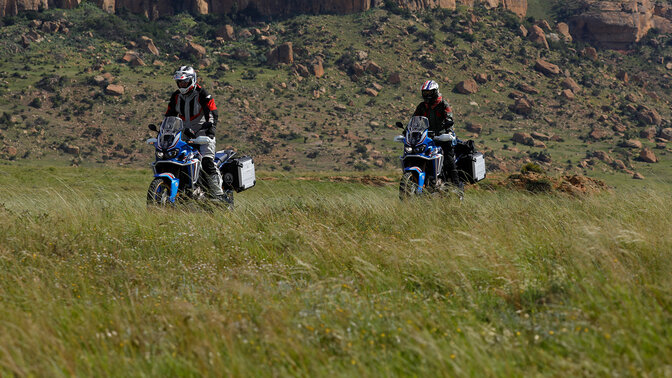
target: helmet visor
185 83
429 93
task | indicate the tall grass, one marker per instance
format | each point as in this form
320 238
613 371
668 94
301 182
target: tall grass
310 278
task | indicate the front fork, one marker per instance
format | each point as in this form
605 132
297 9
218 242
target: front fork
174 184
421 177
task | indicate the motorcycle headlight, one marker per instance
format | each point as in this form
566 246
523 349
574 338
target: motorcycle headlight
159 155
419 149
408 150
171 154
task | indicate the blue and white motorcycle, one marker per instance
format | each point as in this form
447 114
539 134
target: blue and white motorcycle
422 161
177 169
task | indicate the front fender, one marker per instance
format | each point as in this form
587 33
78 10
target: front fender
420 174
173 181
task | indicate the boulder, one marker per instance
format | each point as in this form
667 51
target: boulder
631 143
522 106
647 156
590 53
563 29
266 41
666 134
522 30
114 90
527 88
148 45
603 156
648 116
194 50
569 83
373 68
69 149
544 25
623 76
638 176
11 151
633 97
226 32
244 34
302 70
567 94
619 164
475 127
467 87
394 78
99 80
286 53
540 136
371 92
546 68
523 138
648 133
598 134
241 54
317 68
357 69
538 36
130 57
481 78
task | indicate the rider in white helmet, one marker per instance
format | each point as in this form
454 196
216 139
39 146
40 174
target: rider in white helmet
440 116
198 111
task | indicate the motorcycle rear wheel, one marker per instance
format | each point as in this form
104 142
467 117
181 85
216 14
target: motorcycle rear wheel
408 186
158 193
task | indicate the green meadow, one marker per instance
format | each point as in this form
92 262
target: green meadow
318 278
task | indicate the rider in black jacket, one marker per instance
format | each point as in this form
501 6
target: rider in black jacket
440 116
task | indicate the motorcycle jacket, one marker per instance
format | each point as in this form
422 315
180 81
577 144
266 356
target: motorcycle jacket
439 114
197 109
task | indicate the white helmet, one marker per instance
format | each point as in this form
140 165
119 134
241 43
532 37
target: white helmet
430 91
185 77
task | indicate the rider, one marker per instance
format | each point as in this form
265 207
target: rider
440 116
198 111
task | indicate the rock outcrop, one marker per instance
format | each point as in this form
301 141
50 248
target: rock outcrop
157 8
617 24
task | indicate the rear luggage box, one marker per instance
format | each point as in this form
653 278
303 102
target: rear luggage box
238 174
472 167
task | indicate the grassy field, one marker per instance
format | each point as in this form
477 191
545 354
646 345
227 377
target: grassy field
311 278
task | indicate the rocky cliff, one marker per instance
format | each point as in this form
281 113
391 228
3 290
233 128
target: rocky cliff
617 24
156 8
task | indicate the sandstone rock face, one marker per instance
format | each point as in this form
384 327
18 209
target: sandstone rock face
616 24
157 8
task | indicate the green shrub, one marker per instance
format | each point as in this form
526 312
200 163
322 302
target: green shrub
531 167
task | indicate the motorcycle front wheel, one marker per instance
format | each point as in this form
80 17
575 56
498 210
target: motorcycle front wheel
408 186
158 193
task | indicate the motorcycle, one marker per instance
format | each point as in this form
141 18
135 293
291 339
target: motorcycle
422 161
177 168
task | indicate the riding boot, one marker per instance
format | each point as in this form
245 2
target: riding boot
212 179
215 186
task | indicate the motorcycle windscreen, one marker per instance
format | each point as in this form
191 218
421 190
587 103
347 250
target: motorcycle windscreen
170 128
415 131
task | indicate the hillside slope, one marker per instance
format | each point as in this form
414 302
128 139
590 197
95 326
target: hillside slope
333 105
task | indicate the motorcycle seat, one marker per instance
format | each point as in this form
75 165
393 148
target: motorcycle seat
223 155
